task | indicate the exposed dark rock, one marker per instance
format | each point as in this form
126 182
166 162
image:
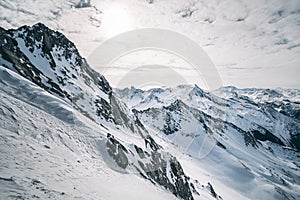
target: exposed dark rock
212 191
265 135
295 140
153 166
83 4
221 145
117 151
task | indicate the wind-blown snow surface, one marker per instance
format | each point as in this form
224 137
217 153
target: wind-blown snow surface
46 155
252 43
50 151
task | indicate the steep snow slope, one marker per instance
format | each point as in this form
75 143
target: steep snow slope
51 151
65 87
51 61
46 155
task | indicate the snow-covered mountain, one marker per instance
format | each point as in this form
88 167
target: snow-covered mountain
273 112
66 134
51 61
256 132
57 82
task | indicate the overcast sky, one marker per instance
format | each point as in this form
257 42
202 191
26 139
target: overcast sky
252 43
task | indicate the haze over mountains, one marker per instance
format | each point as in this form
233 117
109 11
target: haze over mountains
66 133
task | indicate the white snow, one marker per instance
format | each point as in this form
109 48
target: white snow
51 156
239 171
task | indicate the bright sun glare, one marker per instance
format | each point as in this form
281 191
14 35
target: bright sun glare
116 20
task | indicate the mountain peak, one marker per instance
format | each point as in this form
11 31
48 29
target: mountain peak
50 60
39 26
197 91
